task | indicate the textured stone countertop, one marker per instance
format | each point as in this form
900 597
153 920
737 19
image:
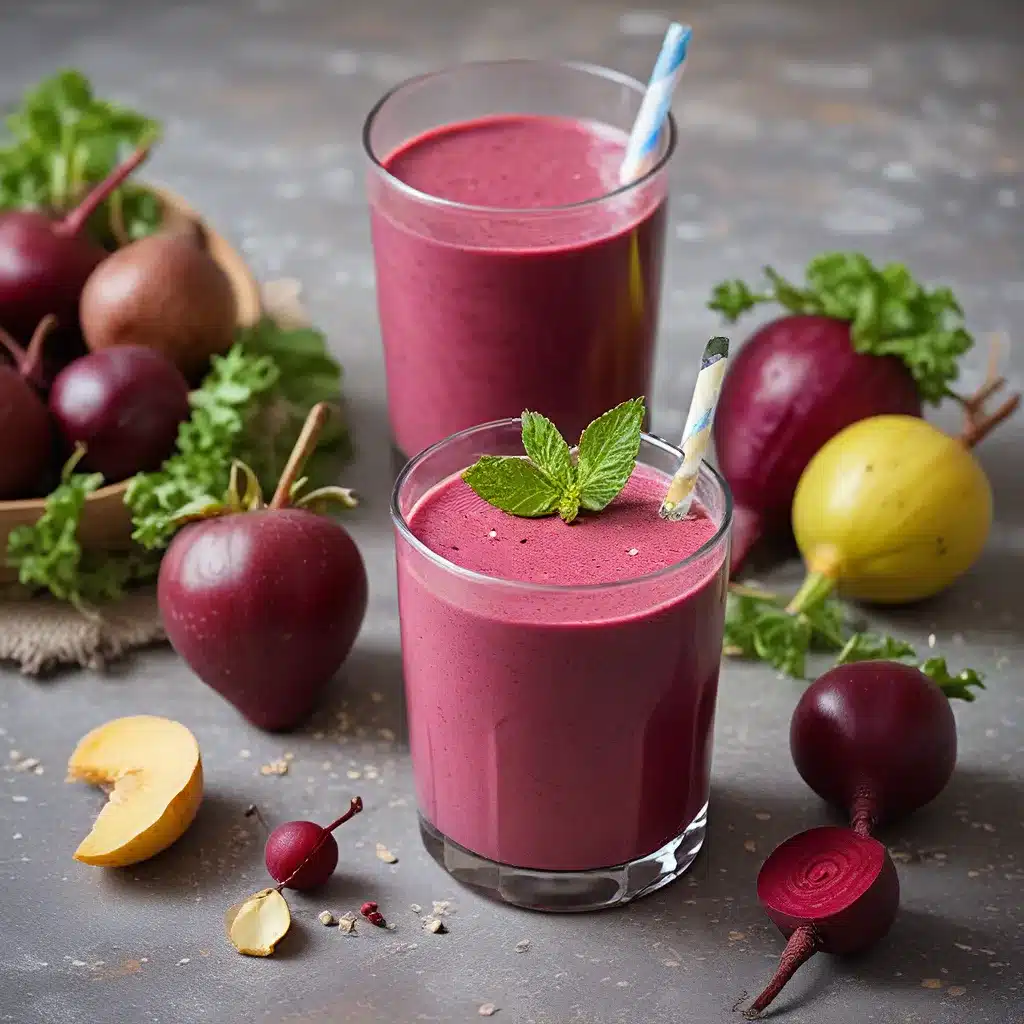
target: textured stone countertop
896 127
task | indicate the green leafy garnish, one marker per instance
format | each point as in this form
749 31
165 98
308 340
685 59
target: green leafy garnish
63 139
890 313
758 626
549 480
953 685
250 408
49 556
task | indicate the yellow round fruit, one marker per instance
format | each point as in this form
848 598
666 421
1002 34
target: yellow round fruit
892 510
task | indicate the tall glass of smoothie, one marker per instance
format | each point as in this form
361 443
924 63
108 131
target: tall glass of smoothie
513 271
560 680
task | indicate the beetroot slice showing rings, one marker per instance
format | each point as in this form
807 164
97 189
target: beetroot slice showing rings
827 890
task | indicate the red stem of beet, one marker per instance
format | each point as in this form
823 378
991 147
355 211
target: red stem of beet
29 360
802 945
304 447
77 218
354 808
827 890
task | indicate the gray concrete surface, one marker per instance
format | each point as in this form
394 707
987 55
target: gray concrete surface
895 127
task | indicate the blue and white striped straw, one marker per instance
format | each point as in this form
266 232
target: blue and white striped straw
642 147
697 433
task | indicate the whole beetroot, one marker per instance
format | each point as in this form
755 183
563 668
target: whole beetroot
265 602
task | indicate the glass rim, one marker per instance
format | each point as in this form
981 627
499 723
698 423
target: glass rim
596 70
400 523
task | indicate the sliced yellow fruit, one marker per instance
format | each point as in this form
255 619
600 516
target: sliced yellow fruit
154 774
259 923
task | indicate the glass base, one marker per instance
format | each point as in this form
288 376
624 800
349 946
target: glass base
568 891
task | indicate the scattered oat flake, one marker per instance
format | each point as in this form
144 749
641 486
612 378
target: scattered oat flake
763 816
955 990
415 908
376 697
27 764
931 639
326 918
973 874
38 770
435 925
931 983
384 854
441 907
20 799
750 846
522 945
326 766
347 922
737 936
487 1010
14 755
960 945
386 734
17 835
493 533
245 754
632 551
278 767
184 960
353 774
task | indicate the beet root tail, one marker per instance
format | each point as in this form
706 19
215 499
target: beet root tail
802 945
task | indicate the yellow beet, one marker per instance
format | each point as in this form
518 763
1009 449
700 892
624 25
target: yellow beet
891 510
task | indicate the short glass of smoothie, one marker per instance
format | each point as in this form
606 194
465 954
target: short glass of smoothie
560 679
513 271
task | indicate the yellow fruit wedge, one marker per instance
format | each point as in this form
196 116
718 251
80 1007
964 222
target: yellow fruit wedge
154 774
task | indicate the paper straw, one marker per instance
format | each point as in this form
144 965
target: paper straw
642 147
698 428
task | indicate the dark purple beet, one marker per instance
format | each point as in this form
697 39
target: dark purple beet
303 854
876 738
264 606
828 890
795 384
45 263
125 405
26 434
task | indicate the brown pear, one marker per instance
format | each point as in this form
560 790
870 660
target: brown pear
165 292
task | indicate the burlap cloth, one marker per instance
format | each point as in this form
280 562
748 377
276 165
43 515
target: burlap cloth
40 633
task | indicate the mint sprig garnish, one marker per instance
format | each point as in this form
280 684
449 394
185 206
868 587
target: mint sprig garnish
890 313
549 479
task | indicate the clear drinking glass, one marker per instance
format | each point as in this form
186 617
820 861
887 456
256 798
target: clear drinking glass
486 311
560 736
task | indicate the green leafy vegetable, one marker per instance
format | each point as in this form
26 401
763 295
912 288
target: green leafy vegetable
890 313
759 627
548 480
48 555
64 139
250 408
953 685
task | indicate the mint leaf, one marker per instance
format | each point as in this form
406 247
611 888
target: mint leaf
547 449
548 481
514 485
607 454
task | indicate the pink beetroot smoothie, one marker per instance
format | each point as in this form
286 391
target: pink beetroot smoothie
488 312
561 729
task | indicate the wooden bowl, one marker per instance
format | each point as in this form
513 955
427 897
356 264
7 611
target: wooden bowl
106 522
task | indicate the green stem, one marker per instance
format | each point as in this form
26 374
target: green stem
814 589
